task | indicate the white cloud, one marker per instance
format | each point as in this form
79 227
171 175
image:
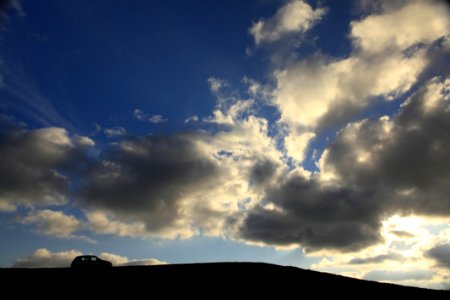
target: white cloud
99 222
56 223
83 141
118 260
319 92
296 144
43 258
415 22
7 207
216 84
145 262
191 119
296 16
115 131
140 115
395 276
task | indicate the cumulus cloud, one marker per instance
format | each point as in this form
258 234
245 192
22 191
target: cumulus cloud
32 162
296 16
371 176
416 22
100 222
183 184
149 178
180 184
320 92
140 115
305 214
56 223
43 258
371 153
365 173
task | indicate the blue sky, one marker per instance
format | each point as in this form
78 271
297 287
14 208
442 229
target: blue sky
306 133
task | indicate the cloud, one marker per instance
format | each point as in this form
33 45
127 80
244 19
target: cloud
374 33
191 119
402 254
99 222
216 84
57 224
306 214
365 174
441 254
118 260
146 179
182 184
318 92
179 184
145 117
115 131
43 258
376 259
370 153
297 143
296 16
145 262
23 95
32 162
383 275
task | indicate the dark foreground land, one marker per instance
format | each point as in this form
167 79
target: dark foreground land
213 281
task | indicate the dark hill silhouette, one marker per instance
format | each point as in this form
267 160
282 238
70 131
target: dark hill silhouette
202 280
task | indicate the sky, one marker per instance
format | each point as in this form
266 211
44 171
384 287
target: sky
306 133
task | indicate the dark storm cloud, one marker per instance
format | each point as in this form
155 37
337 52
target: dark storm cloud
315 217
147 178
384 167
376 259
441 254
31 162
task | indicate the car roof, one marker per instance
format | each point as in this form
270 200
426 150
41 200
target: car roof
86 256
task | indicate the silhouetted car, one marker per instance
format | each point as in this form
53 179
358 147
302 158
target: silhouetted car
90 261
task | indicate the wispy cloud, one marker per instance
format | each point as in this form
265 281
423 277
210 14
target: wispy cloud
27 98
191 119
115 131
145 117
